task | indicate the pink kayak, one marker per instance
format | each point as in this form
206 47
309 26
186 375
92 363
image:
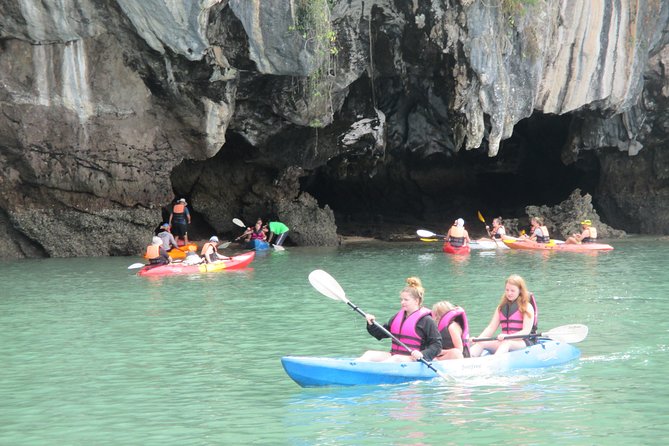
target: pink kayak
552 246
236 262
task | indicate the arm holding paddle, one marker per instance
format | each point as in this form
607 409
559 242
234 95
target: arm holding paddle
329 287
423 328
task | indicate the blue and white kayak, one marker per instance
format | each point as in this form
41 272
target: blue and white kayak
309 371
257 244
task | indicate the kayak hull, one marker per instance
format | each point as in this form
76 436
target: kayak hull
450 249
568 247
236 262
322 371
487 244
257 244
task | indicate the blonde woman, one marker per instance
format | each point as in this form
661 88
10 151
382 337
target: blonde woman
454 330
412 325
515 315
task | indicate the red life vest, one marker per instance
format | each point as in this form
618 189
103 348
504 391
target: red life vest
511 319
405 330
152 252
458 315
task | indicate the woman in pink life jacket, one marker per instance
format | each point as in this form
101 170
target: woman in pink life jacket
412 325
454 330
515 315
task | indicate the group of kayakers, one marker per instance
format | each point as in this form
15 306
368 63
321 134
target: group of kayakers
457 235
169 234
442 332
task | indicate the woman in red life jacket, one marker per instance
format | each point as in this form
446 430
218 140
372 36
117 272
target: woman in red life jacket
258 232
454 329
412 325
515 315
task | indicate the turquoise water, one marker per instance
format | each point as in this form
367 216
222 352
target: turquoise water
92 354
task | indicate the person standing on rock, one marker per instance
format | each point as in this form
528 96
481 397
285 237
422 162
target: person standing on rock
179 220
280 230
588 235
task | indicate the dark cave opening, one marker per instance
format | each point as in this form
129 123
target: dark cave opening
527 170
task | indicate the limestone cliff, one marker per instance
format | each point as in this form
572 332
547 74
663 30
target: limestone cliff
110 109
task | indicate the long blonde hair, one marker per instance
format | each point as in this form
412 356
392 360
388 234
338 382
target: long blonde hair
415 289
523 297
441 308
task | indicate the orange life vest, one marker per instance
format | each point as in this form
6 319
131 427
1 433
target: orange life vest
179 208
152 252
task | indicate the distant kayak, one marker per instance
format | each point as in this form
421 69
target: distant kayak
487 244
554 246
257 244
321 371
236 262
450 249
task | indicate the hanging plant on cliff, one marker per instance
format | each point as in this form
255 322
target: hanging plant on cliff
312 21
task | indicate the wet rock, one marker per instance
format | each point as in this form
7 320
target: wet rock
565 218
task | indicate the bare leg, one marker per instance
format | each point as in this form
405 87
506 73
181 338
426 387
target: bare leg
374 356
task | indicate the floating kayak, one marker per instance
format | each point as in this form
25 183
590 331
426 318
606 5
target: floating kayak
556 246
180 252
236 262
450 249
257 244
321 371
485 244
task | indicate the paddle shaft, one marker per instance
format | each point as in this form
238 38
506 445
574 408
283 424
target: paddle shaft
394 338
531 335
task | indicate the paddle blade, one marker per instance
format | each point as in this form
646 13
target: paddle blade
136 265
327 285
224 245
278 247
570 334
424 233
238 222
481 219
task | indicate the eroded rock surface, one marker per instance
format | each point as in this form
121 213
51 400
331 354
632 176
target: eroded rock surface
110 109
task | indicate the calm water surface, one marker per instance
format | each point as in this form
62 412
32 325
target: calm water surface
92 354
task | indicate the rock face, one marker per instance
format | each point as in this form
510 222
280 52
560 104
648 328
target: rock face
278 108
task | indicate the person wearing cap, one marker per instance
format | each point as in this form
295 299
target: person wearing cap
166 236
457 235
155 253
587 235
179 220
210 251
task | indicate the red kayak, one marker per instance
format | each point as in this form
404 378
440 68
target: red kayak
552 246
450 249
236 262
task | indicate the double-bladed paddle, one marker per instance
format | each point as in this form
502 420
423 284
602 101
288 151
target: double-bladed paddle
329 287
424 233
570 334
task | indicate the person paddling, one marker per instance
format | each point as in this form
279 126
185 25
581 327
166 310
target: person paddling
516 314
412 325
457 235
538 232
